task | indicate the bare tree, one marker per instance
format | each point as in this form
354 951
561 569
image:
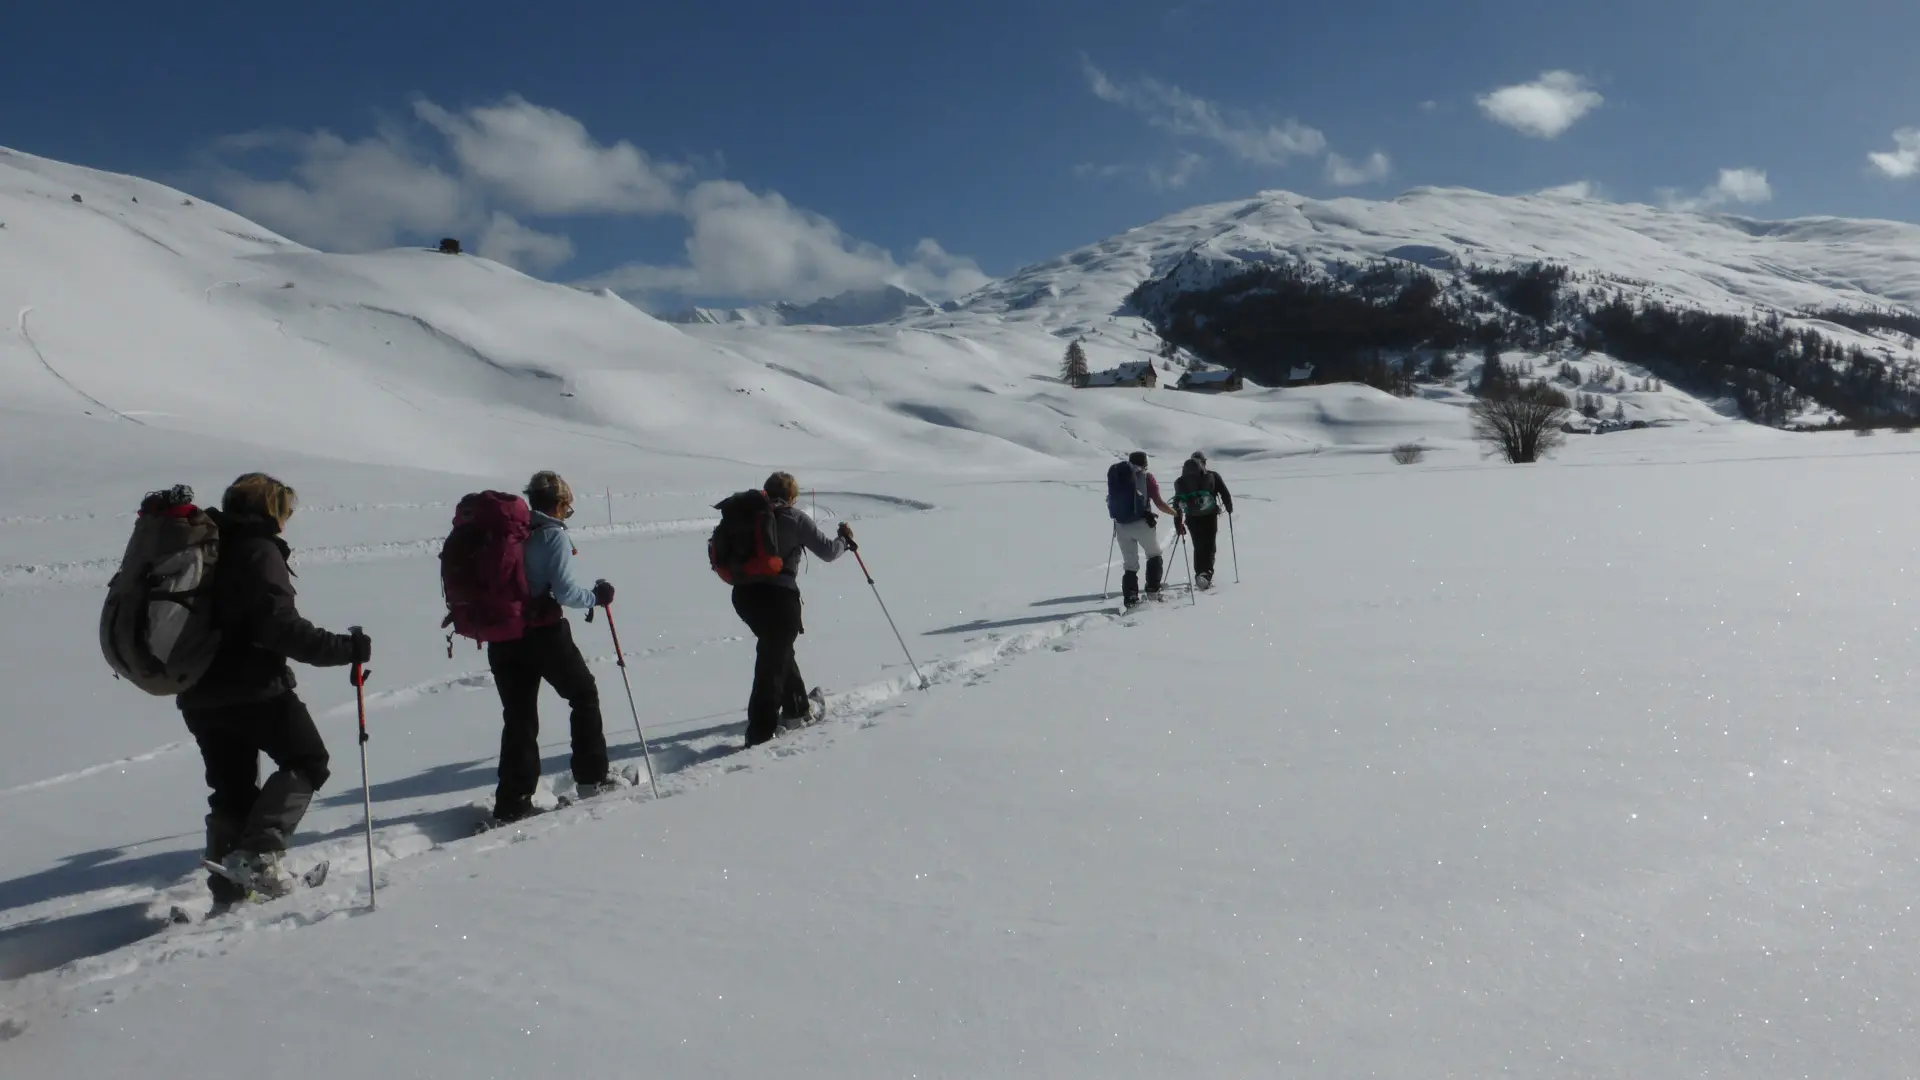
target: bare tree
1409 453
1074 367
1522 423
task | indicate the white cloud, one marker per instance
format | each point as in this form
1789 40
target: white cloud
1903 161
1748 186
1173 110
1344 173
1544 108
346 196
545 161
1744 186
1429 106
1170 176
1176 176
506 240
757 246
473 165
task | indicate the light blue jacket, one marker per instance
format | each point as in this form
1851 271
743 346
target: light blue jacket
549 563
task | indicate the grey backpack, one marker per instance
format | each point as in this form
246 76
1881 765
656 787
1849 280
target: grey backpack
156 628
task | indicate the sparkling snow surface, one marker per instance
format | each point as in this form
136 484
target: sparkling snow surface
1600 767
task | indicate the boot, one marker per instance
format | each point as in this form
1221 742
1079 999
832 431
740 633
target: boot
264 877
223 834
613 781
1155 566
510 810
1130 587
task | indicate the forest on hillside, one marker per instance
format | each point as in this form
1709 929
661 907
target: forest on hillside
1390 324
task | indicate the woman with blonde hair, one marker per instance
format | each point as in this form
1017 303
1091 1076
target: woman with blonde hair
546 653
770 606
244 705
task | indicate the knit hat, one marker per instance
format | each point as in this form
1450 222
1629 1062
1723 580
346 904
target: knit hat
1138 457
1200 456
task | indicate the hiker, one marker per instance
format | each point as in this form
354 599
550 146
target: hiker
244 705
762 534
545 652
1200 495
1132 496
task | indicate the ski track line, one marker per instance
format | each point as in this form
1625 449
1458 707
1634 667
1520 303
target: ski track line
96 572
470 680
95 770
21 321
63 990
476 680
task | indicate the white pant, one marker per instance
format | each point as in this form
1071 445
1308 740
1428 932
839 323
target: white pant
1133 536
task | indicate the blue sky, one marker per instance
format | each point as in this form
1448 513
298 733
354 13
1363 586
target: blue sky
751 150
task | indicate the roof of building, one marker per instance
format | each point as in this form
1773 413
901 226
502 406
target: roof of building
1125 373
1224 375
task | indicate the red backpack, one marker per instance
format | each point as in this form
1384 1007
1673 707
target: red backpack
745 546
483 571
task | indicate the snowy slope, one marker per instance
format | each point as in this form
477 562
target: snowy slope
1716 261
1625 798
169 313
1593 768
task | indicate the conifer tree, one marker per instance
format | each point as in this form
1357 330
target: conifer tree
1075 365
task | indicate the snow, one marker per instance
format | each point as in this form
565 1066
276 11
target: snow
1600 767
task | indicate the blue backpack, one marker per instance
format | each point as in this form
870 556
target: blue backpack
1126 492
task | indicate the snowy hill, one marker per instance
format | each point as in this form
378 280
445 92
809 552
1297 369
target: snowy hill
220 327
1720 261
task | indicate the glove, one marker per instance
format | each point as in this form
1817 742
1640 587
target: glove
361 646
603 592
846 532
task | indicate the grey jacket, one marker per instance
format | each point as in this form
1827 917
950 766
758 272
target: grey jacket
795 532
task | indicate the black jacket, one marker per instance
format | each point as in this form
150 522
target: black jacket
260 630
1210 481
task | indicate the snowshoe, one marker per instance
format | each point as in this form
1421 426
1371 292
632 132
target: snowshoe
264 876
815 710
623 778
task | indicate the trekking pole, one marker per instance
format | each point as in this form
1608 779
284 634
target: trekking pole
359 677
1191 591
1113 541
621 659
1231 539
883 610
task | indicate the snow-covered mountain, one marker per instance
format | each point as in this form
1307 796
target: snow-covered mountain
855 307
1712 263
1717 261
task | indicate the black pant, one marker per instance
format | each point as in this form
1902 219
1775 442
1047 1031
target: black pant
1205 531
773 614
543 653
243 814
